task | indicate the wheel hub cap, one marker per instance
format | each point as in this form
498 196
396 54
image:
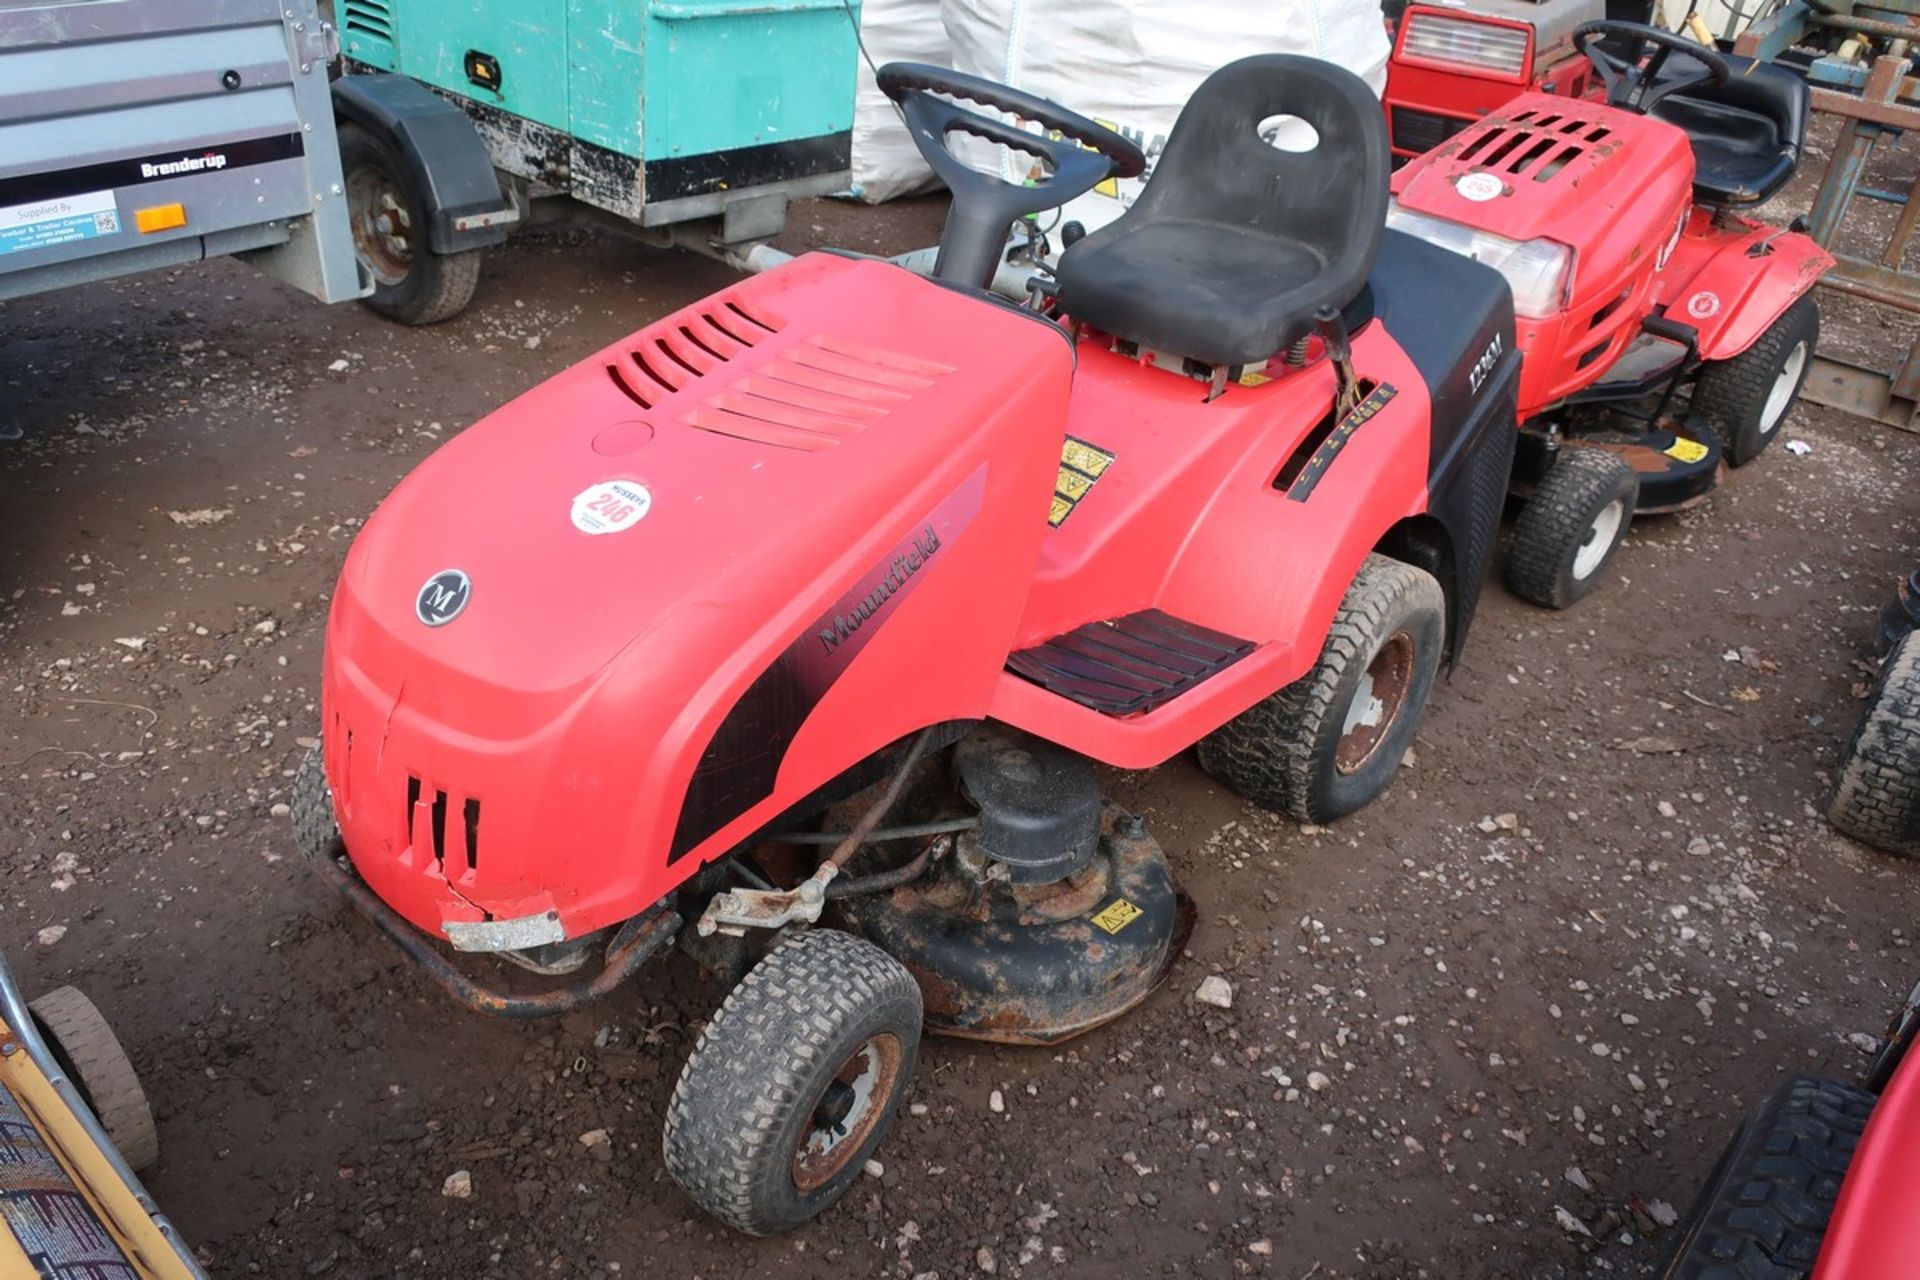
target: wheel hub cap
1781 394
847 1112
1376 703
1599 540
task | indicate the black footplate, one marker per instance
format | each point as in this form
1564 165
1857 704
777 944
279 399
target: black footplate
1130 664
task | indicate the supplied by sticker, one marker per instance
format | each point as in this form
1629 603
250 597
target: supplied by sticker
1116 915
1479 187
60 220
611 506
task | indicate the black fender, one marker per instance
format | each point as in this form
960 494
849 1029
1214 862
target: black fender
444 154
1453 317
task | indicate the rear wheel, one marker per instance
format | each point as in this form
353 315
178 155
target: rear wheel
794 1082
1878 799
411 282
86 1048
1333 740
1764 1210
1744 400
1571 527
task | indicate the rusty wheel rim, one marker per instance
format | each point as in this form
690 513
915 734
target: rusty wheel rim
1376 704
847 1113
383 231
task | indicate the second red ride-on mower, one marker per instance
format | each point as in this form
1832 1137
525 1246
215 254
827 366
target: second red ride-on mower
1664 333
813 603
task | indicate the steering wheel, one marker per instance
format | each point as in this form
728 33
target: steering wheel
1082 156
1631 84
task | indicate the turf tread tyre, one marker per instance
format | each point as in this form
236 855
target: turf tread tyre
437 286
760 1065
1764 1212
1279 753
1554 524
85 1046
316 831
1877 800
1731 395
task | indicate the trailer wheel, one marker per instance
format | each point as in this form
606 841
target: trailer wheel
316 832
794 1082
87 1050
1744 400
411 283
1765 1207
1571 527
1878 799
1333 740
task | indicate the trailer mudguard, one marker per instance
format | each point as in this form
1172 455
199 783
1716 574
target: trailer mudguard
443 152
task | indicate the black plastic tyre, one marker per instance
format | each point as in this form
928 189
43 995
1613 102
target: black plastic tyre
411 283
89 1052
1571 528
1764 1210
794 1082
316 832
1878 799
1744 400
1333 740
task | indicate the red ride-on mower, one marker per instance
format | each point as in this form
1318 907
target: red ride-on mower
813 603
1663 332
1819 1180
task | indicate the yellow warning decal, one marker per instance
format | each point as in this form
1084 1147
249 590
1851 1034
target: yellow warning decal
1117 915
1686 450
1080 465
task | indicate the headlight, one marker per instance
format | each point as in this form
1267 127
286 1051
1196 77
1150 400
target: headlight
1536 270
1466 43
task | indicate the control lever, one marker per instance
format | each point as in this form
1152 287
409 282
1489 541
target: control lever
1327 322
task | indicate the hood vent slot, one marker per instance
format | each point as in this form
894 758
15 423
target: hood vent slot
816 395
673 355
1532 141
428 817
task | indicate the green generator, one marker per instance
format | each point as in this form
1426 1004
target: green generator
655 114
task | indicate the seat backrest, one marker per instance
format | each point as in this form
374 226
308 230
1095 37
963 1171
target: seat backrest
1331 199
1737 113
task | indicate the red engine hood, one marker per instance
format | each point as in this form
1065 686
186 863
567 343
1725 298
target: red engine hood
1549 167
671 475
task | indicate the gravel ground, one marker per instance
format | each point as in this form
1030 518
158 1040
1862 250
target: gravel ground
1498 1024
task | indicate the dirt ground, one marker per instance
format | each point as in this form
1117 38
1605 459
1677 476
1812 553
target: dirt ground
1452 1051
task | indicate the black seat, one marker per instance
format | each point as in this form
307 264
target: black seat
1234 243
1746 133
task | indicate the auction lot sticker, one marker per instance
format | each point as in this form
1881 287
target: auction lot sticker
610 506
57 221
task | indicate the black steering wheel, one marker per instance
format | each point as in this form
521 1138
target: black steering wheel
1082 156
1634 85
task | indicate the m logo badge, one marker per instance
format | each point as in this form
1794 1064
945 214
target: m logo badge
442 599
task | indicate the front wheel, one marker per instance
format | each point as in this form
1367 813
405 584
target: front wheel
1571 527
1744 400
1331 741
794 1082
411 282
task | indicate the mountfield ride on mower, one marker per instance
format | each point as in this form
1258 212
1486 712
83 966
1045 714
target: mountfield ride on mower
1663 332
814 603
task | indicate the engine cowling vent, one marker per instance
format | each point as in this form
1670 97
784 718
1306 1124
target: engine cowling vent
1533 143
670 356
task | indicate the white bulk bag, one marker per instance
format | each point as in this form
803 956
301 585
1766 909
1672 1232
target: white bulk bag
1132 64
885 162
